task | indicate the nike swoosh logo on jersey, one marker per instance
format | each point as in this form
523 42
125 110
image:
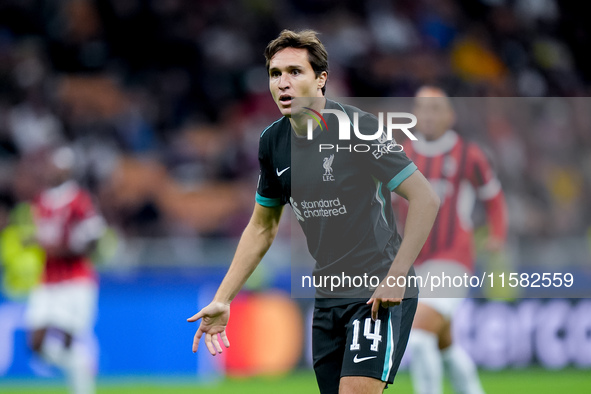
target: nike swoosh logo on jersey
282 171
358 360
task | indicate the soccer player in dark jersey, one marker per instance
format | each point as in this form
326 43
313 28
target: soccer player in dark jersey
341 200
459 172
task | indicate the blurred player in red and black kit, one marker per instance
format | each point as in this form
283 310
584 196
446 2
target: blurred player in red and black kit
459 172
68 227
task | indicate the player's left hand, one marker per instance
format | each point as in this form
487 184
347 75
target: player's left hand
385 296
384 303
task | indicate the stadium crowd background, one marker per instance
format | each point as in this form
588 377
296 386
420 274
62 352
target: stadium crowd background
163 101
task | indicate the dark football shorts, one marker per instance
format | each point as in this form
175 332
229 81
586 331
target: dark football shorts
346 342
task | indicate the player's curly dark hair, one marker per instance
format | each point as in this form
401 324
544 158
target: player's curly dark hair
307 39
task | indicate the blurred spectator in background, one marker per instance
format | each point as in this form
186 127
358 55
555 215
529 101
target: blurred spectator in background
64 305
23 261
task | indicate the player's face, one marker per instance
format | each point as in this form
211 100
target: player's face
291 75
434 114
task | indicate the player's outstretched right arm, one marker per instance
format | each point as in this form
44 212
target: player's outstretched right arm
254 243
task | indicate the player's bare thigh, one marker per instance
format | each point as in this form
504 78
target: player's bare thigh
435 311
445 337
361 385
37 338
428 319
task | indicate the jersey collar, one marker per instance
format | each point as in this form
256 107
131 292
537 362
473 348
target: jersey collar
61 195
436 147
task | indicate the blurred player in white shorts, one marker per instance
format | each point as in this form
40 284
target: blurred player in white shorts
459 172
63 306
444 300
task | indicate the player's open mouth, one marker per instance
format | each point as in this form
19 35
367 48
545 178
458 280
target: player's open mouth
285 99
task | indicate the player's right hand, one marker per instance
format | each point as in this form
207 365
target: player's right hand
215 318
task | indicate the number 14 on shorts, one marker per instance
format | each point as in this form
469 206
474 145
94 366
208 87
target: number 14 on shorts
373 336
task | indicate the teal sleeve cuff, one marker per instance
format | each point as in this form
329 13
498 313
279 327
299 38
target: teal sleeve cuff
401 176
267 202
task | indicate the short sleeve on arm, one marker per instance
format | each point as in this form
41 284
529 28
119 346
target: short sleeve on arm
481 174
266 201
86 225
84 208
401 176
386 161
268 192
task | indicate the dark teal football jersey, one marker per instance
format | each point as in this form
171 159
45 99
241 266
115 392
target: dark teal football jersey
339 191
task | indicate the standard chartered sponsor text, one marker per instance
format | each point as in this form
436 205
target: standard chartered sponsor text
323 208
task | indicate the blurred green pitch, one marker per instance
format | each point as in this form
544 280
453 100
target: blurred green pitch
532 380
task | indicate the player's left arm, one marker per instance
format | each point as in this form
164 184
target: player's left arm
423 205
398 173
489 191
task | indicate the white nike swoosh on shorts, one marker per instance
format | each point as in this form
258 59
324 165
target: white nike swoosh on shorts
282 171
358 360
